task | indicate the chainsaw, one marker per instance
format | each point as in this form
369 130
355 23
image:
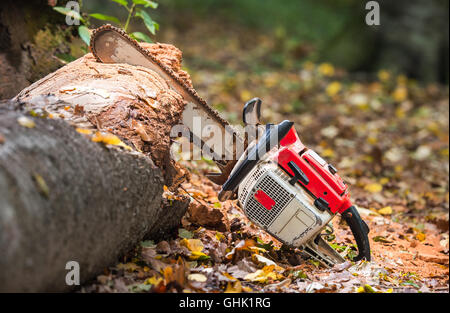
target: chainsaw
282 186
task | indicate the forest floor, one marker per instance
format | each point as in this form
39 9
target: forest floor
386 134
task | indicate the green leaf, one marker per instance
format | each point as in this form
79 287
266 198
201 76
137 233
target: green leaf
121 2
140 288
69 12
104 17
65 57
381 239
204 258
299 274
146 3
148 244
84 33
151 25
140 37
183 233
267 246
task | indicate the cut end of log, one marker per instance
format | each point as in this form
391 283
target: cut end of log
129 101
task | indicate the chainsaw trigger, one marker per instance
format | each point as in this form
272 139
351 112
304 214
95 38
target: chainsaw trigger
298 174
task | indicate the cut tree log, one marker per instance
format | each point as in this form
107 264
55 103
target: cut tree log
70 190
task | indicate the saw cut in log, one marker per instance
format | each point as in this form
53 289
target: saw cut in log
84 156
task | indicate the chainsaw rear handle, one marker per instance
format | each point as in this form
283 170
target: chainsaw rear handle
270 139
360 231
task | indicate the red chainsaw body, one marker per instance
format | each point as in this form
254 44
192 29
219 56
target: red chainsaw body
324 182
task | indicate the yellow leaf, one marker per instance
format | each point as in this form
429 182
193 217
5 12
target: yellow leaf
365 289
109 139
373 188
26 122
372 140
235 287
369 289
384 180
400 113
333 88
42 185
197 277
400 93
229 276
383 75
328 153
421 236
219 236
131 267
385 211
245 95
326 69
194 245
153 280
168 274
263 275
84 131
195 255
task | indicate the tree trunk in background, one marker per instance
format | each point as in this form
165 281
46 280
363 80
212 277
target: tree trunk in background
29 39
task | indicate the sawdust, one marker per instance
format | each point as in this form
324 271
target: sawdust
131 102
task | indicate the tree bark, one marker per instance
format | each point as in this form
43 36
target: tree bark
66 198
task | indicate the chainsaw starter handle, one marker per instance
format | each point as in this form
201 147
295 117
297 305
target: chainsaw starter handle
270 139
360 231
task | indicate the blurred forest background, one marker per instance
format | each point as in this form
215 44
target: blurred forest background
412 38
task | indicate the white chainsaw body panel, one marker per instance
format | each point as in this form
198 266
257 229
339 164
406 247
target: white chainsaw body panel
293 219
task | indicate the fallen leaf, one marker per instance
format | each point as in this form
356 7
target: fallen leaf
380 239
41 184
374 187
234 287
197 277
130 267
421 236
26 122
183 233
385 211
109 139
153 280
194 245
263 275
84 131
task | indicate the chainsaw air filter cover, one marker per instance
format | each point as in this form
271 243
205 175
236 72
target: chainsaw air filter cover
285 211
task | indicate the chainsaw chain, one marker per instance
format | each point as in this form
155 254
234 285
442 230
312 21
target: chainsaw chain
108 27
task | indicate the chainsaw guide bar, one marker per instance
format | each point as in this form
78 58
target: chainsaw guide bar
110 44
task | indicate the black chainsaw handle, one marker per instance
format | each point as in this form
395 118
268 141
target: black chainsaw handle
360 231
269 140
